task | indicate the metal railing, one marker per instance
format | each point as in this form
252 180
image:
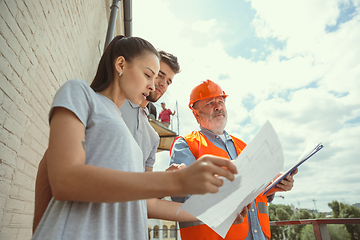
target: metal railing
320 225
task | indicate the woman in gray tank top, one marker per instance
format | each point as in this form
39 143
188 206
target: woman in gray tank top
95 166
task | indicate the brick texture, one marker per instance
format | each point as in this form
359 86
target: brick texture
42 45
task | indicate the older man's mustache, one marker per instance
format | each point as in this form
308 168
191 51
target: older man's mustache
218 112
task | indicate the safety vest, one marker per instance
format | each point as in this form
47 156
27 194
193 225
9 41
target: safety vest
199 145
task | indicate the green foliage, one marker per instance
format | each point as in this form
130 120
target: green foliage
284 208
338 232
342 210
277 232
280 212
295 232
307 233
335 206
351 212
320 215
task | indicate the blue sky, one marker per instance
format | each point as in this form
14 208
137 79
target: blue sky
294 63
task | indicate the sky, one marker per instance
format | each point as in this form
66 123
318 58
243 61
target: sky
295 63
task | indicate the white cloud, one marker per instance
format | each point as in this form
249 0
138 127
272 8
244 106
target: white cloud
301 20
304 115
205 26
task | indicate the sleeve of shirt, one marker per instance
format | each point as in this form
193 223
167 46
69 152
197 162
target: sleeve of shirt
150 161
270 198
181 153
73 95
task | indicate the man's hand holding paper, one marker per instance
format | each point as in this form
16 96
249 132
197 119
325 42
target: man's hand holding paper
285 185
240 218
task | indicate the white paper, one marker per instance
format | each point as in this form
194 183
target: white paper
257 166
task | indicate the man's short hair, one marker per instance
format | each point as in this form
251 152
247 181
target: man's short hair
170 60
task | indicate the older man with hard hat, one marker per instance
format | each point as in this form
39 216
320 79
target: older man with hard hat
207 102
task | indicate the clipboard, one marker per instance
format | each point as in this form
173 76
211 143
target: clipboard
297 164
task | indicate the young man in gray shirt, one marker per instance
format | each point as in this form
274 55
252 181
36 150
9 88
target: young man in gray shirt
141 129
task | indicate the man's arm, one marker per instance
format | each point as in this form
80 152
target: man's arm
150 161
43 192
181 154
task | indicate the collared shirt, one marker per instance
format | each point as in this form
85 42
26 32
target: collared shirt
181 154
147 138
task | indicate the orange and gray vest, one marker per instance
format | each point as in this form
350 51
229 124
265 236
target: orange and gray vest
199 145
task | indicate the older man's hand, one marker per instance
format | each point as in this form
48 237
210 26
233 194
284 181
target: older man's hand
240 218
287 183
175 166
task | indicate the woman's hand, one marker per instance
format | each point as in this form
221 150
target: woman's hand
202 176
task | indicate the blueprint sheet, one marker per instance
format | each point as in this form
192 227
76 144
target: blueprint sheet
257 165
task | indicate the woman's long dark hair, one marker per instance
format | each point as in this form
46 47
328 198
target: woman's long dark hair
129 48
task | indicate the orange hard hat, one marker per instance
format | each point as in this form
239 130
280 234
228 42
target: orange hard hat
206 89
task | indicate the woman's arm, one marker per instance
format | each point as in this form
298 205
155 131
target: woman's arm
43 193
71 179
168 210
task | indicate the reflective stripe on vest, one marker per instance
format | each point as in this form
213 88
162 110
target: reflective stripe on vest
261 203
199 145
262 208
190 224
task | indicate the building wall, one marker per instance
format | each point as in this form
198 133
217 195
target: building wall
42 45
156 228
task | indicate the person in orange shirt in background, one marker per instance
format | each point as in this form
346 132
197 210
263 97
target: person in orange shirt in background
164 115
207 102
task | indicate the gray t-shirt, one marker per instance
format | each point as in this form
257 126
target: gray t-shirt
109 144
136 119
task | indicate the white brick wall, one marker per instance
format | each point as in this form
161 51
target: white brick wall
42 45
